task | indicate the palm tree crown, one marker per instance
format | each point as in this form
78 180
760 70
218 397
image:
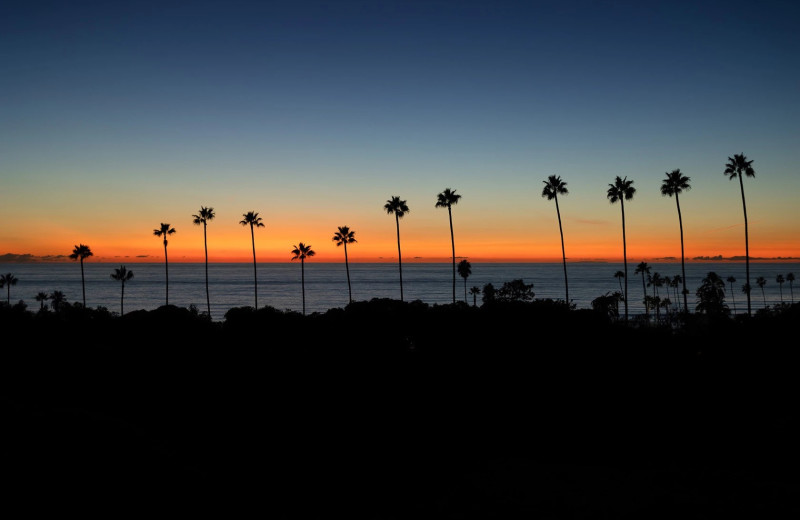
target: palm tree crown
342 237
252 219
42 297
398 208
447 199
80 252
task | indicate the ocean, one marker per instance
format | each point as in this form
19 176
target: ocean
231 284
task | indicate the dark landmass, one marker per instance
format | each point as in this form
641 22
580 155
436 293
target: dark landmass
402 410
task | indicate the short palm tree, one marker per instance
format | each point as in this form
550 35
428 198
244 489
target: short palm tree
399 208
553 187
42 297
252 219
464 270
164 231
122 275
447 199
780 279
79 253
739 167
342 237
475 291
761 282
203 217
302 252
619 275
656 280
643 269
57 299
732 280
7 280
676 183
622 190
790 279
676 281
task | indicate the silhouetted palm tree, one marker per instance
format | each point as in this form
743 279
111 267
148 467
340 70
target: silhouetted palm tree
644 269
203 217
302 252
739 167
790 279
79 253
42 297
475 291
57 298
553 187
447 199
464 270
7 280
252 219
676 281
761 282
656 281
619 275
622 190
164 231
780 279
399 209
674 184
342 237
122 275
731 280
711 295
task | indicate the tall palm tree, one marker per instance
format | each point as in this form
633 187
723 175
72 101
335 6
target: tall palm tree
676 183
342 237
122 275
79 253
464 270
475 291
761 282
790 279
622 190
732 280
203 217
164 231
42 297
7 280
399 208
644 269
302 252
619 275
553 187
739 167
780 279
57 299
252 219
447 199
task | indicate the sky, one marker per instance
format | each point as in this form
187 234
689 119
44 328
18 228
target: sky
118 116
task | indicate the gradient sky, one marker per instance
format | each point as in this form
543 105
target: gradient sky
117 116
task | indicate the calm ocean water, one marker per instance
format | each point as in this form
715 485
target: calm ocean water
231 285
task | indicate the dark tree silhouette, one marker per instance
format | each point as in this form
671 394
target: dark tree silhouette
676 281
342 237
122 275
674 184
252 219
447 199
80 252
302 252
656 281
619 275
711 295
7 280
464 270
41 298
780 280
731 280
643 269
553 187
164 231
761 282
790 279
399 208
475 291
203 217
57 299
622 190
739 167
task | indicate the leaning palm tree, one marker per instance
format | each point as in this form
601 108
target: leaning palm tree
203 217
761 282
475 291
302 252
674 184
790 279
732 280
7 280
252 219
122 275
399 208
739 166
164 231
780 279
79 253
342 237
553 187
622 190
57 299
42 297
464 270
446 199
619 275
644 269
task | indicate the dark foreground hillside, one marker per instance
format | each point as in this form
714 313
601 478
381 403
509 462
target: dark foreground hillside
390 410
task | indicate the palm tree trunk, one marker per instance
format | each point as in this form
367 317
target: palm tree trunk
303 282
205 244
465 291
683 261
746 247
399 256
764 297
166 267
347 267
122 300
644 288
624 257
83 285
563 253
734 299
453 246
255 276
475 300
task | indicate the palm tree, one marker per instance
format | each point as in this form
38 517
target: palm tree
676 281
761 282
790 279
740 167
164 231
203 217
399 208
656 281
464 270
553 187
644 269
676 183
731 280
780 279
475 291
342 237
42 297
122 275
622 190
7 280
79 253
302 252
57 299
619 275
252 219
446 199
